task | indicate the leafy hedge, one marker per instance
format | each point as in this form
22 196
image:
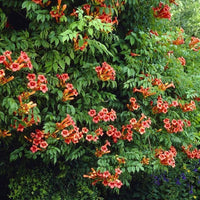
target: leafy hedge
105 90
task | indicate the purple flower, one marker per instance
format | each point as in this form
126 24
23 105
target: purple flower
191 191
165 178
177 181
156 177
198 180
183 176
157 182
195 170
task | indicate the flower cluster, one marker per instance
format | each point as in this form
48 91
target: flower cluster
166 157
182 60
68 121
86 8
77 45
133 105
69 92
175 125
101 13
23 61
24 110
162 86
40 84
69 131
103 150
162 107
180 38
114 133
145 161
62 78
40 2
103 115
38 142
73 135
95 137
188 106
26 123
193 43
98 1
163 11
174 2
107 18
3 79
58 11
140 125
25 107
4 133
127 130
106 178
106 72
145 91
191 154
154 33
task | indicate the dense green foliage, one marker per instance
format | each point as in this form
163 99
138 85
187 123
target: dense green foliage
149 61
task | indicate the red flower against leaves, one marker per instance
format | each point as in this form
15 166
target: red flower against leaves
145 91
166 157
3 79
72 135
182 60
102 115
133 105
134 54
140 125
69 131
39 84
175 125
95 137
4 133
62 78
106 72
76 43
179 41
23 61
106 178
38 141
68 121
40 2
58 11
69 92
103 150
174 2
25 107
114 133
194 154
162 107
188 106
154 32
193 43
163 11
86 8
161 85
